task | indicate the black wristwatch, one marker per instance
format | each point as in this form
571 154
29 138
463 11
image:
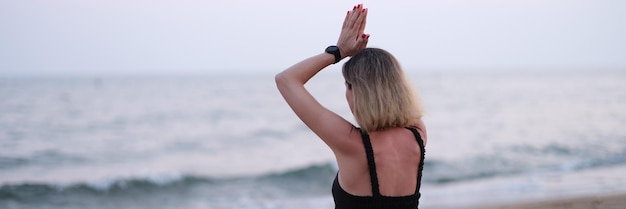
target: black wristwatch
334 50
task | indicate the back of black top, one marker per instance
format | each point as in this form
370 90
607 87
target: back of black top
344 200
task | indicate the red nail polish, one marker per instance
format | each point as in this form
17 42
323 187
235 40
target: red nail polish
363 35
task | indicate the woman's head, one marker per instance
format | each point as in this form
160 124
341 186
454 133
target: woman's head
379 93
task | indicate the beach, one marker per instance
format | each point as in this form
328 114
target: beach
603 187
607 201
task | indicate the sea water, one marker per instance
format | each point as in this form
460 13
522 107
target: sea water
230 141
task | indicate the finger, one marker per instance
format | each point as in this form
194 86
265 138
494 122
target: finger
363 23
362 19
350 16
362 41
354 15
345 20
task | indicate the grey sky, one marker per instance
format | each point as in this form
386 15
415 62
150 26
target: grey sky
189 36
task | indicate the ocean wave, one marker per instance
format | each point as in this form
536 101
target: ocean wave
443 172
314 178
527 160
46 157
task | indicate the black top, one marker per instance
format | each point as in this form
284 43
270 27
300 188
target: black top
344 200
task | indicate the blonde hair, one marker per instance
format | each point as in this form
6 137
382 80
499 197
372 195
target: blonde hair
383 97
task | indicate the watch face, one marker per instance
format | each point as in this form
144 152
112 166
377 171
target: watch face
332 49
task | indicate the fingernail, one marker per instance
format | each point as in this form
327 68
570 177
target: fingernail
354 7
363 10
363 35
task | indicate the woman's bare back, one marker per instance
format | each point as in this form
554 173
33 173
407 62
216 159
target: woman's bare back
397 157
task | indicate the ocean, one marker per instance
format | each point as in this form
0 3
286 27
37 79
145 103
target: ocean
230 141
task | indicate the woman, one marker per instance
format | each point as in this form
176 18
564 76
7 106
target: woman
380 163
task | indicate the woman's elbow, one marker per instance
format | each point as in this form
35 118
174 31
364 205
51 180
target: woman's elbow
279 79
282 81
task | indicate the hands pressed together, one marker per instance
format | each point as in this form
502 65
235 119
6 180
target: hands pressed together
352 38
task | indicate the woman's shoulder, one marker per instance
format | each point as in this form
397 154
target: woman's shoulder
421 128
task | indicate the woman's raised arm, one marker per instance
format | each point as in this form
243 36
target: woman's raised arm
329 126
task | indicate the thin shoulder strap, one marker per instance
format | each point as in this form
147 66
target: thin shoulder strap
420 142
370 162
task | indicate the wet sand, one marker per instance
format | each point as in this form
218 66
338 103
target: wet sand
613 201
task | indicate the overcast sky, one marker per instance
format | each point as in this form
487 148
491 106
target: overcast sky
192 36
